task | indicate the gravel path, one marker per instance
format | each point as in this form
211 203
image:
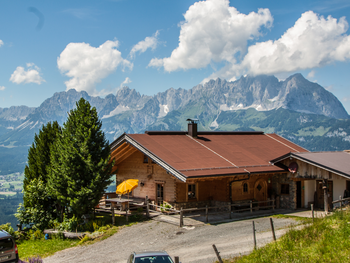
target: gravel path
191 244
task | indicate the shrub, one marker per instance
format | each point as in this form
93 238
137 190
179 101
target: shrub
70 224
84 239
8 228
36 235
59 235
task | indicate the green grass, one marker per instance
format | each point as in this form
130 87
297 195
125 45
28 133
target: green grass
43 248
327 240
297 218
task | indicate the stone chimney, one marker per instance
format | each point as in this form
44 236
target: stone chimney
192 127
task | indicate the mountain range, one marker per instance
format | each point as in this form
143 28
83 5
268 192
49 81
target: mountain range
297 109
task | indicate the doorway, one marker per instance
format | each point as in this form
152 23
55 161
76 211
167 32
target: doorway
320 194
159 194
298 194
260 190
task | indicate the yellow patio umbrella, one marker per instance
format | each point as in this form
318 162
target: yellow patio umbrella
127 186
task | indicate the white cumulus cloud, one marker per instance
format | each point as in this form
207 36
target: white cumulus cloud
213 31
313 41
1 42
2 88
311 74
142 46
29 75
87 65
125 82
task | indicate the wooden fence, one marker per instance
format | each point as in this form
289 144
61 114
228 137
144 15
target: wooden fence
213 210
341 201
200 211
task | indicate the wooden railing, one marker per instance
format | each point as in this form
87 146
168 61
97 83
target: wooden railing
269 204
341 200
197 212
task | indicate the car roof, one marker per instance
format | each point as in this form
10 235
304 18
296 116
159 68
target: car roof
3 234
150 253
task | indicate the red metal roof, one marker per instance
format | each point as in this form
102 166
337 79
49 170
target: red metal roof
220 154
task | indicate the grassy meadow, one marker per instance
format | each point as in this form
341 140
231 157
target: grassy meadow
325 240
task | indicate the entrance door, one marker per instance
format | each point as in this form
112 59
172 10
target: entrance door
330 194
260 190
159 194
320 194
298 194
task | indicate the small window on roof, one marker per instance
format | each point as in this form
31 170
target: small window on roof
145 158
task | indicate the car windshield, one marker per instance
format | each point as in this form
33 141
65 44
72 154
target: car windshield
154 259
6 244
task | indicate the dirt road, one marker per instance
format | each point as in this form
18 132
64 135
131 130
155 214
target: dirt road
191 244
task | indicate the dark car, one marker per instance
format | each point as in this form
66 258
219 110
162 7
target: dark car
8 248
150 257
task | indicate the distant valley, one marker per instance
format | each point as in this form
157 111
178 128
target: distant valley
299 110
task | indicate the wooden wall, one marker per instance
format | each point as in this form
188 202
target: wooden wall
207 189
218 188
148 173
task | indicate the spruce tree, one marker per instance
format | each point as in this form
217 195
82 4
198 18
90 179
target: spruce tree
80 168
39 207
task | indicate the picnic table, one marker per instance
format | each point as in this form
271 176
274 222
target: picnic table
123 203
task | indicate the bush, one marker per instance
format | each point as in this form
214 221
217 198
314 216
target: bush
8 228
70 224
59 235
35 235
91 226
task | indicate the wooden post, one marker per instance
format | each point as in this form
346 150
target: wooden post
273 204
325 193
176 259
206 214
272 229
254 235
113 219
126 214
217 254
181 218
312 212
229 210
147 207
251 206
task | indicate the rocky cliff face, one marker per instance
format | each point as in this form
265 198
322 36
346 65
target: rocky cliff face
219 105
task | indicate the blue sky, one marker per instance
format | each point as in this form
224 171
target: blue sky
150 46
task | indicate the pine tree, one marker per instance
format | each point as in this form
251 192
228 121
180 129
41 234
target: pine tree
80 168
39 207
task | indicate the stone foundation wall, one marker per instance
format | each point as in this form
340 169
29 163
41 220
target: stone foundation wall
287 201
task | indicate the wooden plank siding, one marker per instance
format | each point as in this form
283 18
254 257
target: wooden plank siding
220 188
134 168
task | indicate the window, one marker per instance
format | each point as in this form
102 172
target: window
145 158
245 188
192 191
284 189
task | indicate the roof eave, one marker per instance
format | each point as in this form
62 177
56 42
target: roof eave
329 169
126 138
